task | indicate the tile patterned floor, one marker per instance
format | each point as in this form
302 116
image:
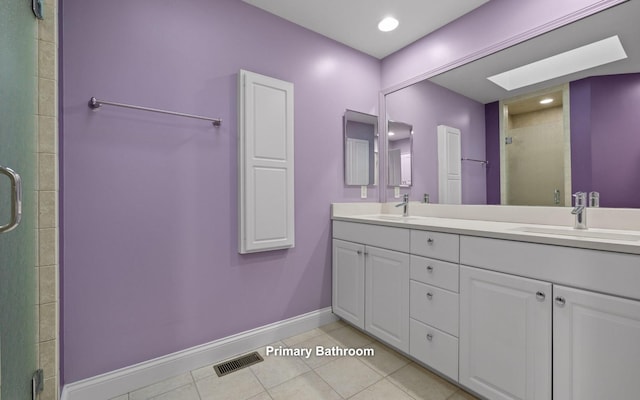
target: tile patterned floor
387 375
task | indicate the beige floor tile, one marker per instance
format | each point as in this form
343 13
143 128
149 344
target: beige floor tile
277 369
348 375
385 361
383 390
308 386
350 337
323 340
294 340
188 392
239 385
161 387
333 326
261 396
421 384
462 395
121 397
203 372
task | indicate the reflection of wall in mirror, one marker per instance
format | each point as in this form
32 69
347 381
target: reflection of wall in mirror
355 173
605 140
426 105
400 161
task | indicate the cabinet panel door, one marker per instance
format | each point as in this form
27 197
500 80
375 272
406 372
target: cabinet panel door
348 282
505 335
387 296
596 351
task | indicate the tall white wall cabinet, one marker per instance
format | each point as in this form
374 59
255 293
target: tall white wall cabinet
265 163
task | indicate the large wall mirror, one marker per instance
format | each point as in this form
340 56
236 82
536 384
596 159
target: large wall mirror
585 136
360 149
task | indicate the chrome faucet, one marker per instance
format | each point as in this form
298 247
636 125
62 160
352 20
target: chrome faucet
580 210
405 203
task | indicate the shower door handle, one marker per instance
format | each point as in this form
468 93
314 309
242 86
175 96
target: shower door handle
16 199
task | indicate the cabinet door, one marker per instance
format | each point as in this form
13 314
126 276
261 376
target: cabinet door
595 346
505 335
387 296
348 282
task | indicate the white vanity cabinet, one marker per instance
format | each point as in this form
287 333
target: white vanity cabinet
505 335
371 280
596 346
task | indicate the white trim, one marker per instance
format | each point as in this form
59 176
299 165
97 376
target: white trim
114 383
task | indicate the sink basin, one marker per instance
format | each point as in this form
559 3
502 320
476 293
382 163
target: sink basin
580 233
398 218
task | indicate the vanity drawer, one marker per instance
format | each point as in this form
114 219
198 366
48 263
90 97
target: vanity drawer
443 246
435 272
435 348
434 306
385 237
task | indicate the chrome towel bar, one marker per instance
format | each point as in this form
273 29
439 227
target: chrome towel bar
95 104
484 162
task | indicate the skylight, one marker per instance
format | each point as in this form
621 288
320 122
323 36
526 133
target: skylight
579 59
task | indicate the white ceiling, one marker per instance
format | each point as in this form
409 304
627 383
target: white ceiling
355 22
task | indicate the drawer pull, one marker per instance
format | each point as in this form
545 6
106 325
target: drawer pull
359 252
429 336
429 268
430 241
560 301
429 295
540 296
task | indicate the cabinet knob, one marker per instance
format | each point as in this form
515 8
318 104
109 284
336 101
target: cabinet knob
560 301
359 252
540 296
429 295
430 241
429 268
429 336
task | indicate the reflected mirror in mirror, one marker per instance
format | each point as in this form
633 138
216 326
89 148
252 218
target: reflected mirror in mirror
360 149
598 121
399 136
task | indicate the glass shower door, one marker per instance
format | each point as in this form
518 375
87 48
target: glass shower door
18 102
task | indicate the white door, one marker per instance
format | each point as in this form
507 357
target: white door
449 165
357 162
596 346
387 296
348 282
505 335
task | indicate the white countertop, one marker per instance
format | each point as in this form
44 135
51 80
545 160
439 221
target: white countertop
627 241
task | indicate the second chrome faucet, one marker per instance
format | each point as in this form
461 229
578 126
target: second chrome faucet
405 204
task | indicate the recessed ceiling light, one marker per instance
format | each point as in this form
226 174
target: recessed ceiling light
388 24
391 133
546 101
588 56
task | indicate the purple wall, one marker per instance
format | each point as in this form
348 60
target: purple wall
611 120
491 27
492 146
426 105
150 262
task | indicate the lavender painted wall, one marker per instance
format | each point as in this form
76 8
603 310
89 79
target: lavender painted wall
150 262
426 105
487 27
611 120
492 150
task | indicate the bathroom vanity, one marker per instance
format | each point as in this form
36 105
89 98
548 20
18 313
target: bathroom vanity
508 310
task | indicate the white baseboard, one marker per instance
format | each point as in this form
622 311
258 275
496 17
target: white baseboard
114 383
